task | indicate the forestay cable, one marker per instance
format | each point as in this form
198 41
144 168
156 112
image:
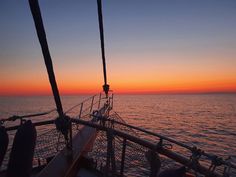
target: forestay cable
100 20
35 10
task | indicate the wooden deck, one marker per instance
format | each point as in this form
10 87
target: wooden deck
66 162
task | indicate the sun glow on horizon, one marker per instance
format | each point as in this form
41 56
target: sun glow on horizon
128 87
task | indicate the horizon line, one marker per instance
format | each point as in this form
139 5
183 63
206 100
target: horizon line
127 93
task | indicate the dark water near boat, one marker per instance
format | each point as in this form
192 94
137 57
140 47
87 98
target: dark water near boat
207 120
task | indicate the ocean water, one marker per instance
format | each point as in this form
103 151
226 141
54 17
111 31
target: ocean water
205 120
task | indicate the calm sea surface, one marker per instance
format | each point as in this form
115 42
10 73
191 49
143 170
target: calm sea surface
207 121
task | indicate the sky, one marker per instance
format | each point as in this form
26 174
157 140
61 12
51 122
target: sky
152 46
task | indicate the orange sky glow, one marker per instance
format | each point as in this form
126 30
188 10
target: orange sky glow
155 47
36 85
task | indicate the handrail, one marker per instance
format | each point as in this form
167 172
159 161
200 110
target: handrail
192 149
79 104
152 133
15 117
21 117
35 124
160 149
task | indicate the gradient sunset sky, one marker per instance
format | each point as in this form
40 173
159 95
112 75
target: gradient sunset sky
152 46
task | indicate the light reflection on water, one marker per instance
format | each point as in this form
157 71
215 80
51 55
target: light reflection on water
207 121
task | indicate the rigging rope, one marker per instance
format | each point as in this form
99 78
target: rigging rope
105 86
15 117
35 10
